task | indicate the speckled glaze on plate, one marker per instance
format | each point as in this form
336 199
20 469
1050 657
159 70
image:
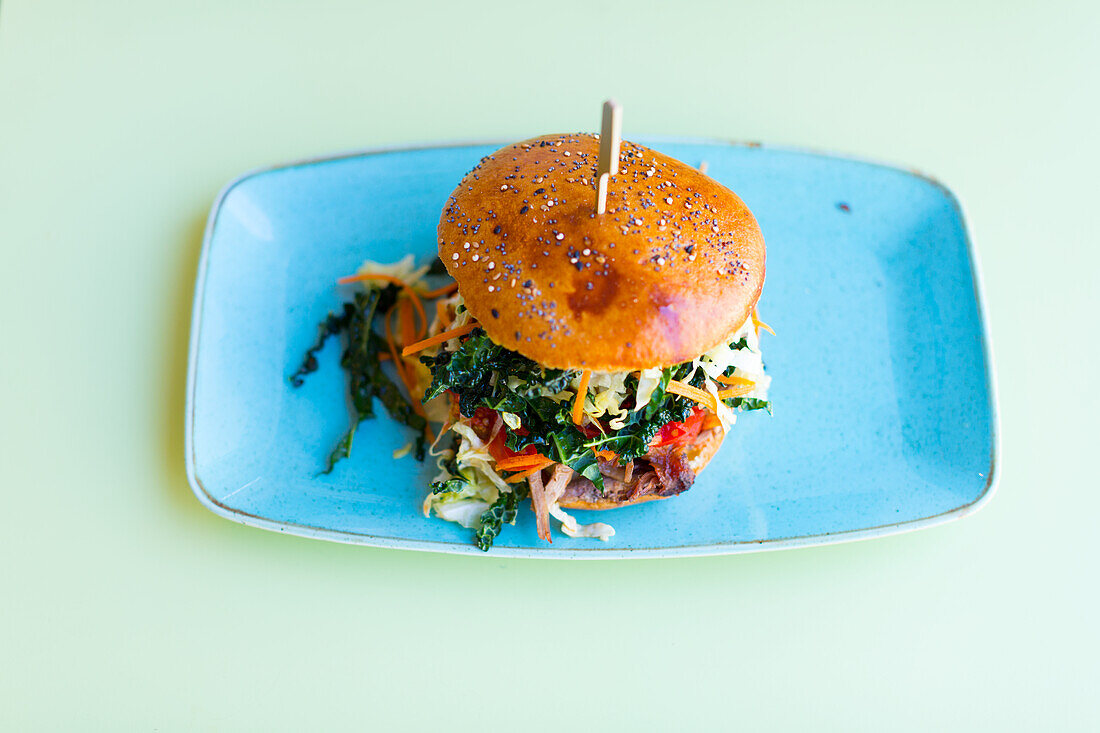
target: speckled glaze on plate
885 409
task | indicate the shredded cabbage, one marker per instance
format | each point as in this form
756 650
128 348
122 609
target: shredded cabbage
648 380
512 420
606 392
404 269
748 363
475 463
484 485
570 526
475 466
725 415
466 512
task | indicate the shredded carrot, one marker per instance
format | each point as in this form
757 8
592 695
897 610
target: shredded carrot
384 356
406 288
516 463
439 338
372 276
758 324
405 318
738 391
440 292
740 386
411 330
607 455
526 461
442 315
422 329
408 371
582 393
711 421
399 365
521 476
706 399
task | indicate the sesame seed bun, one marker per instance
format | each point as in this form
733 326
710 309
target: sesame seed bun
671 270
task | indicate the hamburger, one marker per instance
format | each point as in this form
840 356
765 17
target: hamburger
587 360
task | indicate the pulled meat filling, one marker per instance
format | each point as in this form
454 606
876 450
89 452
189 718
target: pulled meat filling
664 471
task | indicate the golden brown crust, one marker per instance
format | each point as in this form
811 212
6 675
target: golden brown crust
670 271
699 453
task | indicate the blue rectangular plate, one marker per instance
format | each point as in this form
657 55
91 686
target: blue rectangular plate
885 413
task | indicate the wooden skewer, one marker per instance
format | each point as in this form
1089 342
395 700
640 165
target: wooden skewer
610 142
610 137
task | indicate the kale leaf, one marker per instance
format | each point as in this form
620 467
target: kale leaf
633 440
501 512
449 486
641 426
333 325
478 373
750 403
366 379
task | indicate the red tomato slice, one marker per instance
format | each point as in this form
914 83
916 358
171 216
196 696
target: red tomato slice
679 432
483 421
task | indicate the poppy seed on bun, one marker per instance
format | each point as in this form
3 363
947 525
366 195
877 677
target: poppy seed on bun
671 270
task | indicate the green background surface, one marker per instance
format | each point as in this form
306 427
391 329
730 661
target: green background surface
126 605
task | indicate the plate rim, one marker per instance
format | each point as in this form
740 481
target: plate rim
596 552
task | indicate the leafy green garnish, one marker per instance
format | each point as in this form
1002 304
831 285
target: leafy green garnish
456 483
741 343
479 373
750 403
501 512
366 379
333 325
450 486
641 426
